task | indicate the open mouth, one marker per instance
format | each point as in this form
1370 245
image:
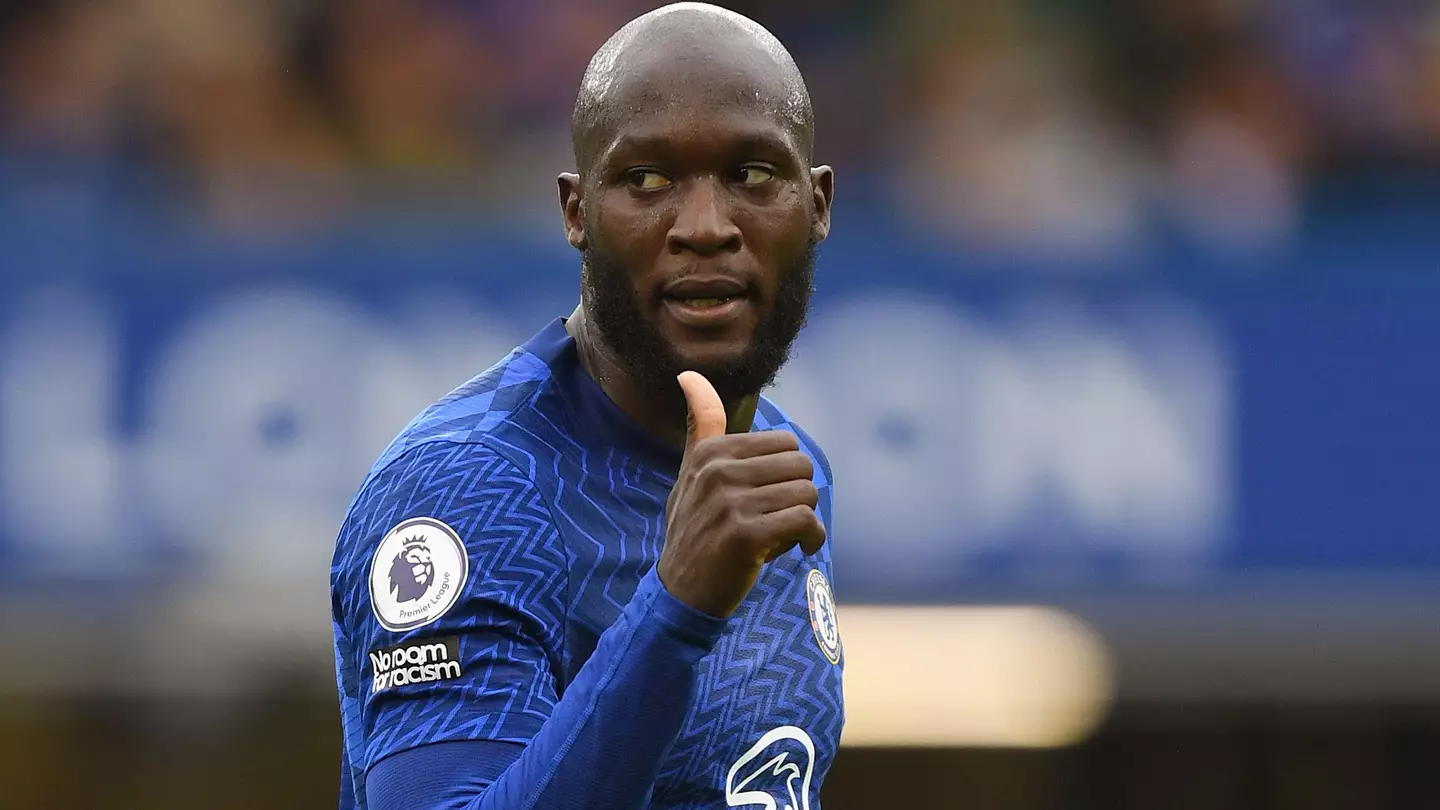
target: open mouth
706 302
706 312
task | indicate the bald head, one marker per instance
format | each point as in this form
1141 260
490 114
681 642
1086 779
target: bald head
696 48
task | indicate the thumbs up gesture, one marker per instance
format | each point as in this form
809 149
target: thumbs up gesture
740 501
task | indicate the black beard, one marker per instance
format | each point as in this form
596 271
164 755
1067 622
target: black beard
636 341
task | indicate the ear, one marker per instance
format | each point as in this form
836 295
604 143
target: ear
822 184
571 195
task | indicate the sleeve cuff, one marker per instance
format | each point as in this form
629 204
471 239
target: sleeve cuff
682 621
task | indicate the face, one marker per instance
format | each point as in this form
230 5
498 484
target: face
698 223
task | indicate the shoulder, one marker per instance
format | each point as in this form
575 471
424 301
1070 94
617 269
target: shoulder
469 487
477 409
769 415
440 476
463 502
458 461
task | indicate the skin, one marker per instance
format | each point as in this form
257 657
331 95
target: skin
694 155
697 165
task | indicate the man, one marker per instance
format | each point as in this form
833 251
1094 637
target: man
595 575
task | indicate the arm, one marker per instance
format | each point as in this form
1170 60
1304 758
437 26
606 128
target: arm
602 746
740 500
497 736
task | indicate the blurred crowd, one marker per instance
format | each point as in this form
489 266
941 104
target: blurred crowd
1062 126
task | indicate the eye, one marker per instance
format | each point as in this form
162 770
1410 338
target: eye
754 175
647 179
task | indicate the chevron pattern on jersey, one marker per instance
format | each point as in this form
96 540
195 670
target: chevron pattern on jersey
475 407
559 526
767 671
763 670
510 620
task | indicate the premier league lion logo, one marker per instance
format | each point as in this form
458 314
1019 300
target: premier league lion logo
413 571
417 574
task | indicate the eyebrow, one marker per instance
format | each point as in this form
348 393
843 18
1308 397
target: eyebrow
753 141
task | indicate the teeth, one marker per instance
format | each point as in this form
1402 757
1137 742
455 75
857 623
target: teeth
704 303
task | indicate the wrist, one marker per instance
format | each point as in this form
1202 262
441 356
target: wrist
684 620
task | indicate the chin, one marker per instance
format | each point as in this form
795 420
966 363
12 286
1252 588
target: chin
709 356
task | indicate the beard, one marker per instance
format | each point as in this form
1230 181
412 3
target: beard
650 359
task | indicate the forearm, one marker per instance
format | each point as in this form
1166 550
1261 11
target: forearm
602 746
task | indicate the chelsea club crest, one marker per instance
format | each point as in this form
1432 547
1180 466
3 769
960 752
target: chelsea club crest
822 615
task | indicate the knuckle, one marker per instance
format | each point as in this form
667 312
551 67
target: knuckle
706 449
816 531
809 494
726 470
733 501
812 517
806 465
712 469
806 517
747 532
798 466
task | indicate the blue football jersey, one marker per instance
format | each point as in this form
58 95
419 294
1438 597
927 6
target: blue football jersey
504 531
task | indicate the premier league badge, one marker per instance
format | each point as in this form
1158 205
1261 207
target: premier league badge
417 574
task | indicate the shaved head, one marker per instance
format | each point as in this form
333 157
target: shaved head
687 43
696 207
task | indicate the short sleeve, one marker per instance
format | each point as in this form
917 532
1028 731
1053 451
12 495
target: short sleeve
448 589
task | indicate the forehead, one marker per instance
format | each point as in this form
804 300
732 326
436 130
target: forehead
698 100
679 132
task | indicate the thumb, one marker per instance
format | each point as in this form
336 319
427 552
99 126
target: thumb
705 412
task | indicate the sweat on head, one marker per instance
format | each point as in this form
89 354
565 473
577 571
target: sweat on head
693 136
524 511
688 42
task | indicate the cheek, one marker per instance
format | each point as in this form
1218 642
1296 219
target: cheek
630 247
779 234
627 229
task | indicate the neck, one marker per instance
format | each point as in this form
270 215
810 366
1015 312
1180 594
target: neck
650 412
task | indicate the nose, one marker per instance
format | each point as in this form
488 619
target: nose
703 225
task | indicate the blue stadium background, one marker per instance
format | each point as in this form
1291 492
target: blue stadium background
1006 426
1131 312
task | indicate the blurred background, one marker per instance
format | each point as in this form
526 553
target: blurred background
1126 354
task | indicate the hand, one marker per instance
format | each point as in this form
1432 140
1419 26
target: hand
740 501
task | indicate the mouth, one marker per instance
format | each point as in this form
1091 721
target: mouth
706 302
706 312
